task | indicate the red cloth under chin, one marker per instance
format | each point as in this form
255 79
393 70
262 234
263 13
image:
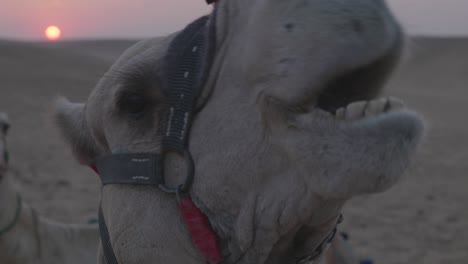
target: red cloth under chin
200 230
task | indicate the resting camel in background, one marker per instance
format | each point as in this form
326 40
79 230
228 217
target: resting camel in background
289 126
26 237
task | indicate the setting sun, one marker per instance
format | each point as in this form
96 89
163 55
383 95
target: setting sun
53 33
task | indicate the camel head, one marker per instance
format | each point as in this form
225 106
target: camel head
4 126
291 127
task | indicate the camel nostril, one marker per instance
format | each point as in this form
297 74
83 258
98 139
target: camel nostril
289 27
358 26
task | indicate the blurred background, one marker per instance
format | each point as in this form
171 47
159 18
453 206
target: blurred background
62 47
90 19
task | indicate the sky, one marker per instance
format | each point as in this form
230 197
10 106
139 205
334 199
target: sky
27 19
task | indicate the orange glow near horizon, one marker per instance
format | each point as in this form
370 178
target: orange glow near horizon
53 33
136 19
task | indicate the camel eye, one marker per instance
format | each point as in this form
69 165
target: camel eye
133 103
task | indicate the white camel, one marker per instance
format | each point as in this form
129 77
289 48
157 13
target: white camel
289 128
26 237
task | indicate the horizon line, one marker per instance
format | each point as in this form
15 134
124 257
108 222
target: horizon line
137 38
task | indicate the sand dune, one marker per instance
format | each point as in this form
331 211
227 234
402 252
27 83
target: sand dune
422 220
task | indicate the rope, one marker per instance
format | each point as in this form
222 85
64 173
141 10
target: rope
108 253
11 225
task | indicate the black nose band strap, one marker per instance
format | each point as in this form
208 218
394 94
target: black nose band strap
141 169
138 169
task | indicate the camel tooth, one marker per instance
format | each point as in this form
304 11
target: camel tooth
376 107
361 109
394 103
355 110
340 113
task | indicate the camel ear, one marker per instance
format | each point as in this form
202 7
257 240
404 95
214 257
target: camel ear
70 118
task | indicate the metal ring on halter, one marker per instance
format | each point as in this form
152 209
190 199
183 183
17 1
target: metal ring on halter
183 188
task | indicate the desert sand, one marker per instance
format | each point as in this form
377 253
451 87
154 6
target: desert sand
424 219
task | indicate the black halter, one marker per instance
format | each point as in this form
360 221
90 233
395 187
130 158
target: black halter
187 64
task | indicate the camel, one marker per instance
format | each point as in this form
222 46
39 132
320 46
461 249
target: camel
28 238
288 127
